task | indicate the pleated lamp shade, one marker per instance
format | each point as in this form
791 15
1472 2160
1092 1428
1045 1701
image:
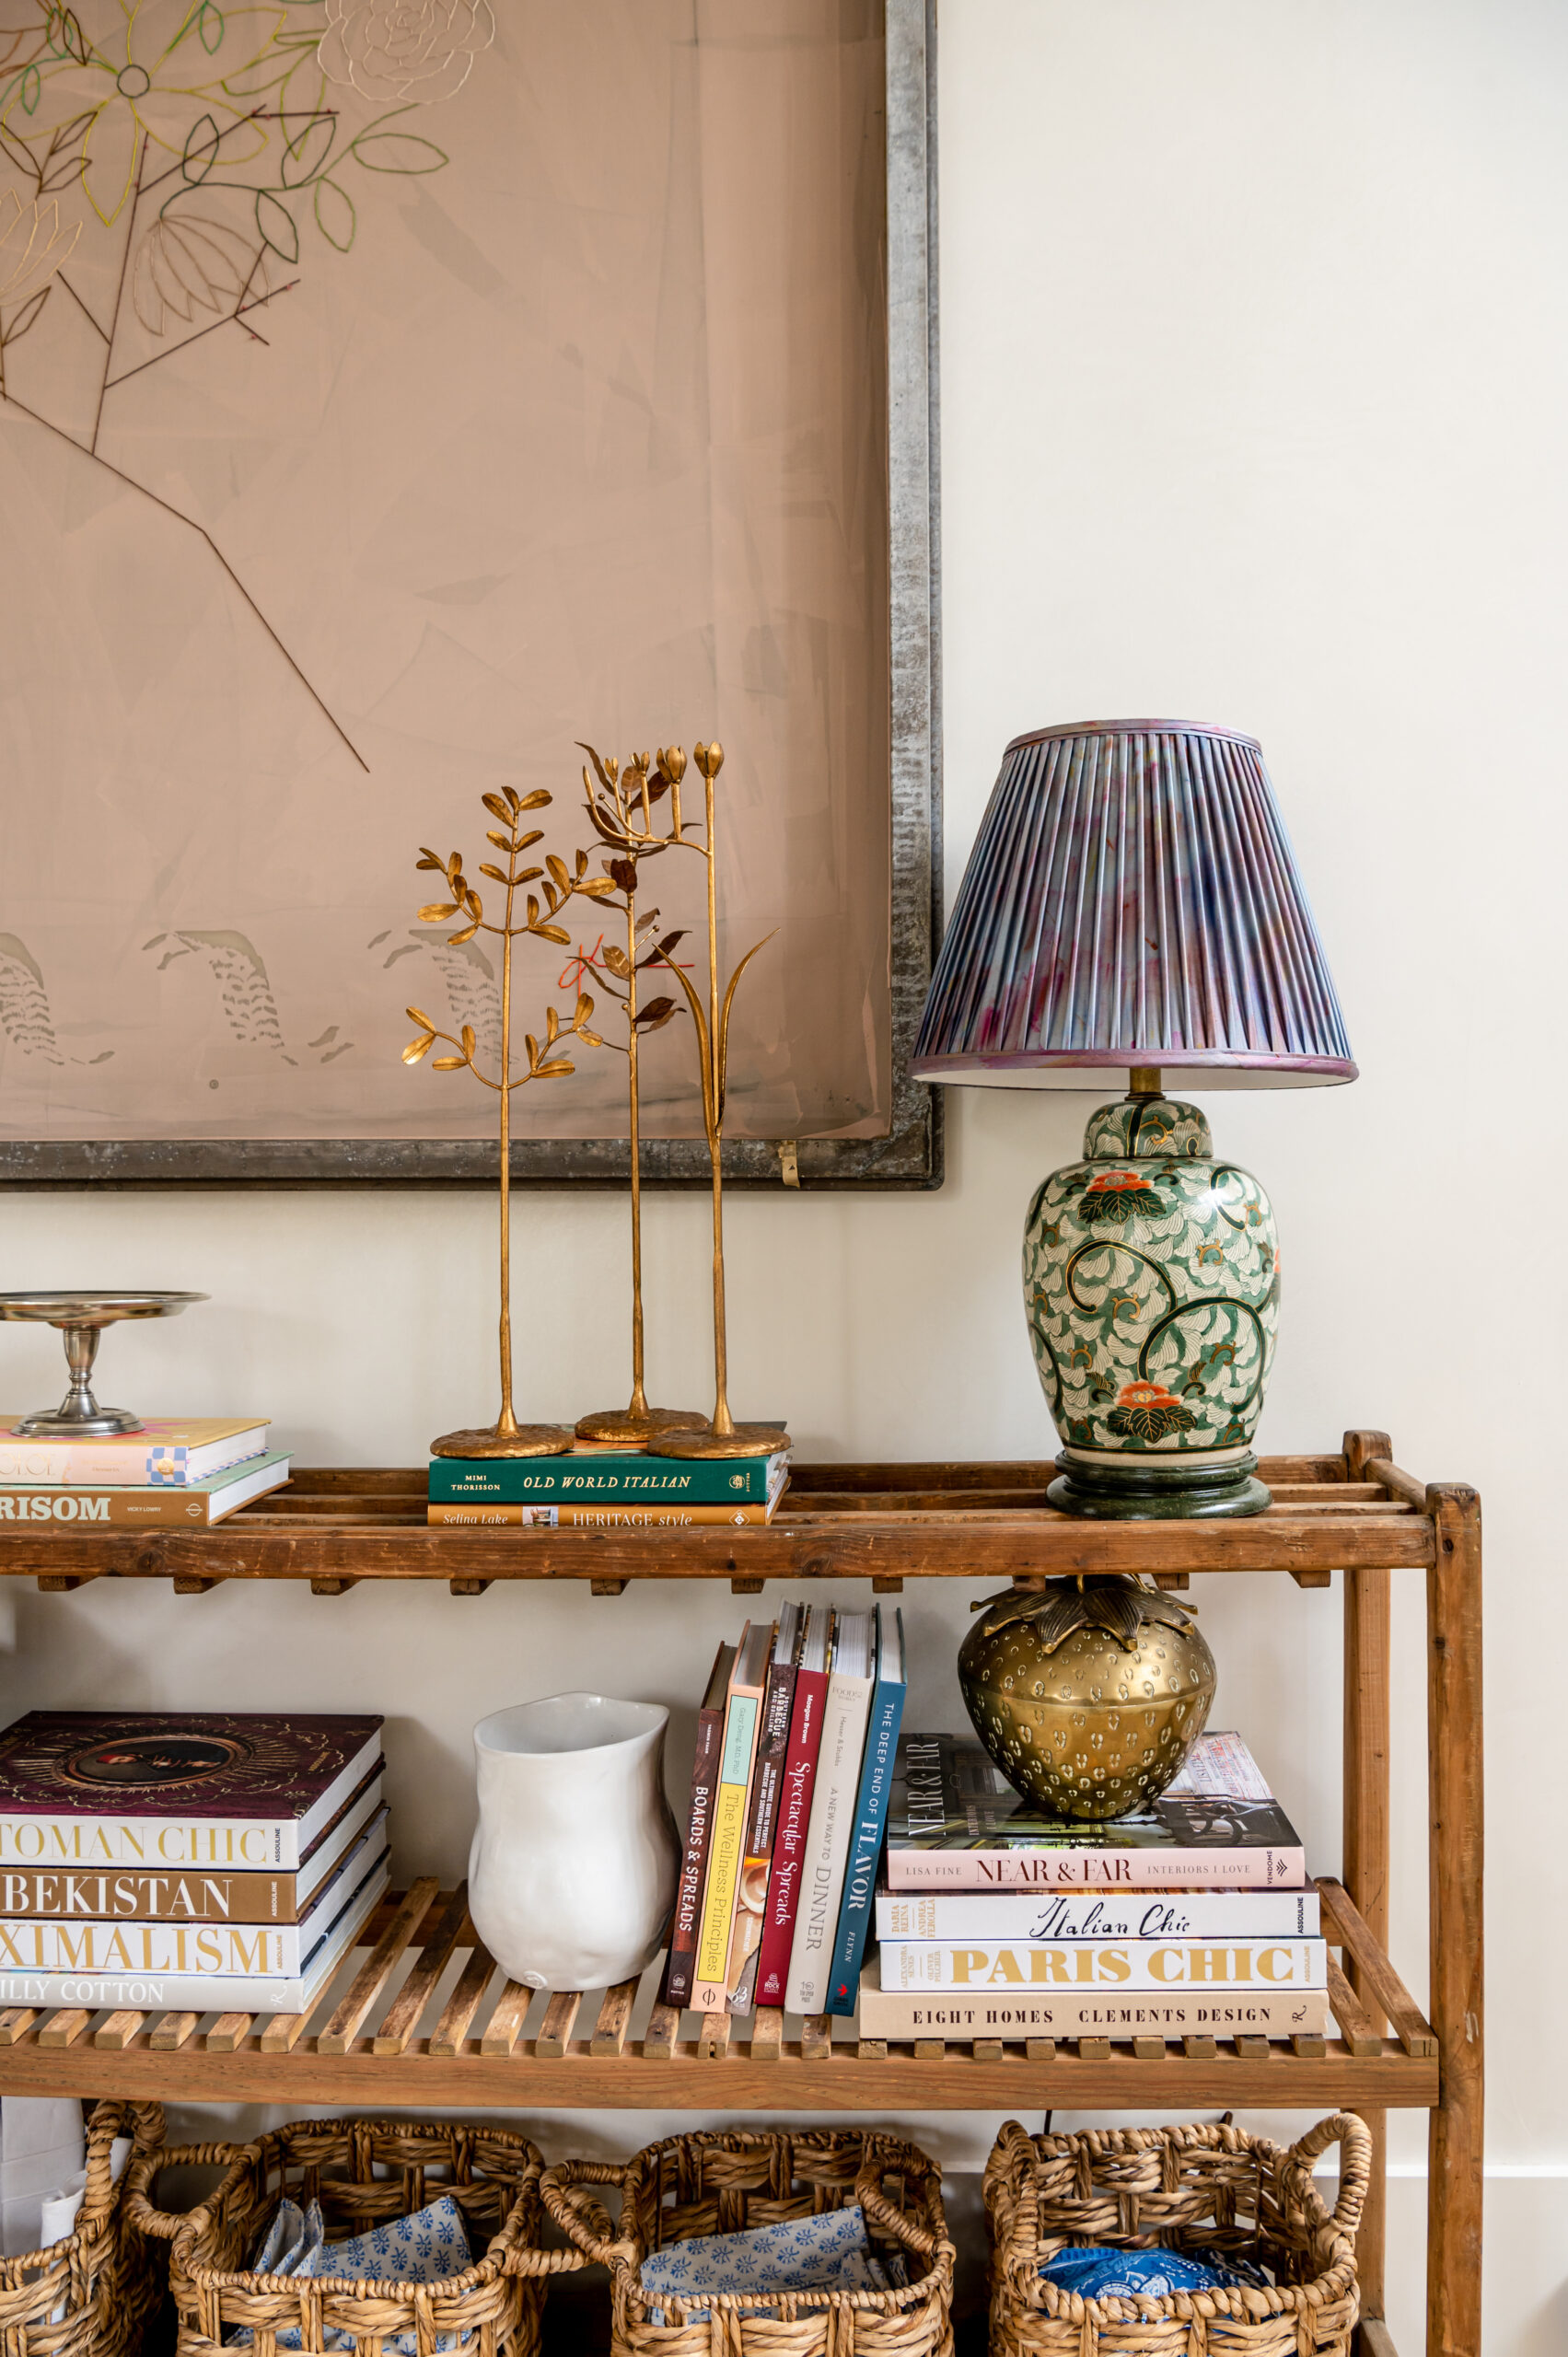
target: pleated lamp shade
1132 900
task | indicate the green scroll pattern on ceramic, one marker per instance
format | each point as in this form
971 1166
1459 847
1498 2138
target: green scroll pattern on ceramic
1151 1284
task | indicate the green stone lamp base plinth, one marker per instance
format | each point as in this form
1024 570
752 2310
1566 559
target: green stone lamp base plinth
1110 1490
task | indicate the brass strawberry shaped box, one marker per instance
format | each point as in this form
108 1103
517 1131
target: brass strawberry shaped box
1089 1693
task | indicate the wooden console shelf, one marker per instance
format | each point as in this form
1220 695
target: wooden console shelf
422 2016
427 2018
335 1527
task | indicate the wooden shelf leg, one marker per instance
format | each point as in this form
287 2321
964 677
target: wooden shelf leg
1454 1750
1367 1753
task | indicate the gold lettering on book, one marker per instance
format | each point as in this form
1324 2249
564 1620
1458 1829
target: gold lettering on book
31 1841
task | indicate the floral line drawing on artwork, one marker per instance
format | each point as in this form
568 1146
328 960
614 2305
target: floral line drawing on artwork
190 156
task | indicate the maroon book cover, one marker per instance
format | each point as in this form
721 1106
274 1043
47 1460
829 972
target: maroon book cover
179 1763
680 1967
789 1842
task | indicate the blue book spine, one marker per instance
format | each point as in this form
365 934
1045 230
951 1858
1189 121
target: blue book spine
870 1824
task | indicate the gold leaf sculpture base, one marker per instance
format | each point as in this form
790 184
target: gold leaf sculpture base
631 1430
741 1440
528 1440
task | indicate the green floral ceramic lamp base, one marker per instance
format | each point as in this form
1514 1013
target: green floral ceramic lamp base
1151 1286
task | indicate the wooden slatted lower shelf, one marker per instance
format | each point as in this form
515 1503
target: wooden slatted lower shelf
421 2015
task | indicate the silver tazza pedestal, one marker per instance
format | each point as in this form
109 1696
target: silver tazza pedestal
81 1318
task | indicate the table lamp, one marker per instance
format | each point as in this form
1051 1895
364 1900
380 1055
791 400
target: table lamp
1131 903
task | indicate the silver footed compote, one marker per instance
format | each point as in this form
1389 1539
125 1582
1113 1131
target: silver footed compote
81 1318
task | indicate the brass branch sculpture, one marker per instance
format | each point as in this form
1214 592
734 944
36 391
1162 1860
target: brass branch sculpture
621 804
721 1436
557 885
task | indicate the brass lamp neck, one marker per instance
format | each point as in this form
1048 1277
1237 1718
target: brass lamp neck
1144 1079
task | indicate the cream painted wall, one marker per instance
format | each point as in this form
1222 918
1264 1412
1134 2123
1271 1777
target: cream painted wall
1254 371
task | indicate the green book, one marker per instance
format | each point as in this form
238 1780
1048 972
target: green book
606 1477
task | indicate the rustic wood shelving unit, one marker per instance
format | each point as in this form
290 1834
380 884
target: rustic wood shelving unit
424 2018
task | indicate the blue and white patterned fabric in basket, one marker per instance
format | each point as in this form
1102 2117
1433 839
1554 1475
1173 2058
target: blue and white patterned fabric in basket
828 2252
427 2247
1099 2272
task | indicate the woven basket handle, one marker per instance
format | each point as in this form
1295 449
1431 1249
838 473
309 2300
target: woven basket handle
143 2122
1355 2163
585 2222
164 2225
895 2223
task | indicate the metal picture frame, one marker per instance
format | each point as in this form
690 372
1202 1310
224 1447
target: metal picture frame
910 1154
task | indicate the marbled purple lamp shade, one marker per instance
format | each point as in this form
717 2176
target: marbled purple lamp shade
1131 906
1132 900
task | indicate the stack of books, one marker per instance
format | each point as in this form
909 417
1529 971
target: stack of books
1193 1917
220 1861
797 1739
605 1487
198 1469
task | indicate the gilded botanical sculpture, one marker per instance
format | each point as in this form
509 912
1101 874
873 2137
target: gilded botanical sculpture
621 805
557 885
721 1436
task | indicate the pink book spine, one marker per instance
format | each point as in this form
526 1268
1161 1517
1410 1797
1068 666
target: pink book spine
789 1842
1095 1869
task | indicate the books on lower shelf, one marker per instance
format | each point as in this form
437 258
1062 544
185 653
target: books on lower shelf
248 1899
955 1823
179 1505
186 1788
787 1794
1189 1916
163 1452
206 1990
959 2014
1081 1915
195 1895
199 1947
1170 1967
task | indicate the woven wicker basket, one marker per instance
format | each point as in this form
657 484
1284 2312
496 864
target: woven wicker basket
491 2310
718 2183
91 2294
1138 2188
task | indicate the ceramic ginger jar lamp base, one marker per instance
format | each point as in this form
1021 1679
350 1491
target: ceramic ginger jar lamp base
1151 1287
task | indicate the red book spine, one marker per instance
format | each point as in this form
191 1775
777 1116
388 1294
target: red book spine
680 1967
789 1843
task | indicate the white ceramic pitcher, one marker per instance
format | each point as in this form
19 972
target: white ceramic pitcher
573 1870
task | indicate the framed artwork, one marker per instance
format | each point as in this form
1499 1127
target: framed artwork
394 396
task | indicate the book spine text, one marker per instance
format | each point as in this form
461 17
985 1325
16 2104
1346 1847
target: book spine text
907 2014
789 1842
725 1851
1067 1915
687 1920
157 1842
1267 1964
171 1898
592 1517
1119 1870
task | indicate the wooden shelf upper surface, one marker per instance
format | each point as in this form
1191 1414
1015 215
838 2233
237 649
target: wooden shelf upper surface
421 2015
336 1526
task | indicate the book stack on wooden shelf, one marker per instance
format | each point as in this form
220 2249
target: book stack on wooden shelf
797 1739
601 1487
1194 1917
219 1860
172 1471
